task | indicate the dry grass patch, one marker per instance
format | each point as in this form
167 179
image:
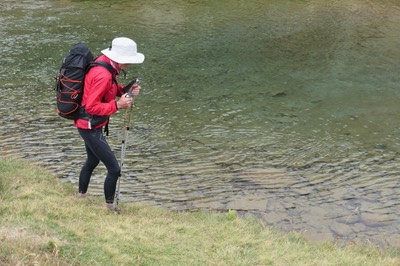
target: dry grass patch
43 223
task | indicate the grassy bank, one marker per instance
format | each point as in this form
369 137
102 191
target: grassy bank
43 223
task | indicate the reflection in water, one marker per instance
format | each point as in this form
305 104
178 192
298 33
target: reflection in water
289 117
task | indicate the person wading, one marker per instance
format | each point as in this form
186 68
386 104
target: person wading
99 101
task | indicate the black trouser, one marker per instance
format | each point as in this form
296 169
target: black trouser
97 149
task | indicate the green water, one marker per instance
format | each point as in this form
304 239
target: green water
283 109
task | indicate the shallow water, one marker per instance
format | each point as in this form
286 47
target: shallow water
285 110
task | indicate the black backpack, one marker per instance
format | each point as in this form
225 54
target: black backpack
70 80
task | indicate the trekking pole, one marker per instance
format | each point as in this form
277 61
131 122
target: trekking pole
127 128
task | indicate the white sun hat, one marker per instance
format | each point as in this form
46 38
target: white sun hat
123 51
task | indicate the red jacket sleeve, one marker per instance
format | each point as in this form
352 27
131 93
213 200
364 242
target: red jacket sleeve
99 92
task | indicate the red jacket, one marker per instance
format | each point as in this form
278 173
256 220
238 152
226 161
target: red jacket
99 93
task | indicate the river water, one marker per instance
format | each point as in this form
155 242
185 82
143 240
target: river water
287 110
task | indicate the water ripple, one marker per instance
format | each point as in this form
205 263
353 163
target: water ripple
290 118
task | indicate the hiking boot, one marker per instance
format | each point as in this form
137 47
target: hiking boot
81 195
112 207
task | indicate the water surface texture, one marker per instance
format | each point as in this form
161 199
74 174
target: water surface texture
287 110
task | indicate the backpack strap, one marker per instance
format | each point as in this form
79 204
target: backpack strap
114 80
106 66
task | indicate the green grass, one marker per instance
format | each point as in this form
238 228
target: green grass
43 223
